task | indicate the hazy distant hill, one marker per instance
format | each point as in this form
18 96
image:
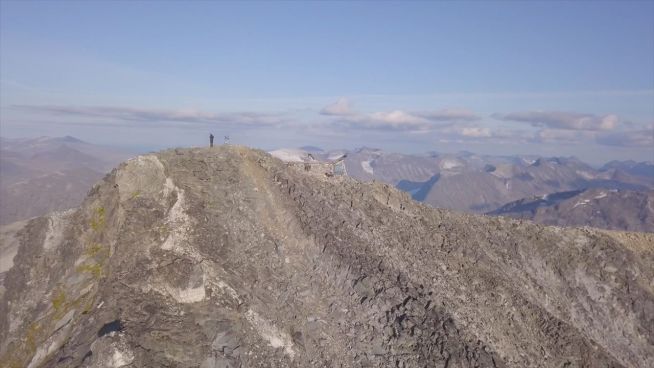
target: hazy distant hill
39 175
608 209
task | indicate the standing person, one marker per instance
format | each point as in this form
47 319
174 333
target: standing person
210 139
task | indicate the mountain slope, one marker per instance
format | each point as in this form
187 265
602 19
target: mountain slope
608 209
228 257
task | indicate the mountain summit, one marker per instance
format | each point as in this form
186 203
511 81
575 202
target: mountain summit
228 257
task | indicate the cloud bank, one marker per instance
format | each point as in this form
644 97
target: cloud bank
636 138
339 108
152 116
395 120
455 125
562 120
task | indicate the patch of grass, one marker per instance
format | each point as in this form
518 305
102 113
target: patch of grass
94 269
163 230
135 194
98 219
58 301
88 305
96 250
31 336
93 249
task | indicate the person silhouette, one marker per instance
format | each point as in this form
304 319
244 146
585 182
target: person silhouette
210 140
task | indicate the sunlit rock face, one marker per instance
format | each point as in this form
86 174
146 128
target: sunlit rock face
228 257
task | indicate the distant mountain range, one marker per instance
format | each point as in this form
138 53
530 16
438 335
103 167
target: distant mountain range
39 175
631 167
482 183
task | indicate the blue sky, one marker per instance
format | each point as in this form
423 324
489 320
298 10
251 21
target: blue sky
552 78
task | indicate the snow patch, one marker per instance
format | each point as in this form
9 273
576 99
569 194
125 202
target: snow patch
583 202
268 331
448 164
601 195
367 168
585 174
528 161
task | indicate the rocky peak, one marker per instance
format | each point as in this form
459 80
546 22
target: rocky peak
227 257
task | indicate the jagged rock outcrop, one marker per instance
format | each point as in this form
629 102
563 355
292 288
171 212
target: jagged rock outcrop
226 257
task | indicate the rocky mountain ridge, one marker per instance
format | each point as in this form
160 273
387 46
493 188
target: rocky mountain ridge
227 257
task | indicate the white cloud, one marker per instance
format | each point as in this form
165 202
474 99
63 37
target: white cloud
475 132
395 119
563 120
449 115
339 108
562 135
392 120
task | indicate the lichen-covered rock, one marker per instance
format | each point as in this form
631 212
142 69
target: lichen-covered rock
227 257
